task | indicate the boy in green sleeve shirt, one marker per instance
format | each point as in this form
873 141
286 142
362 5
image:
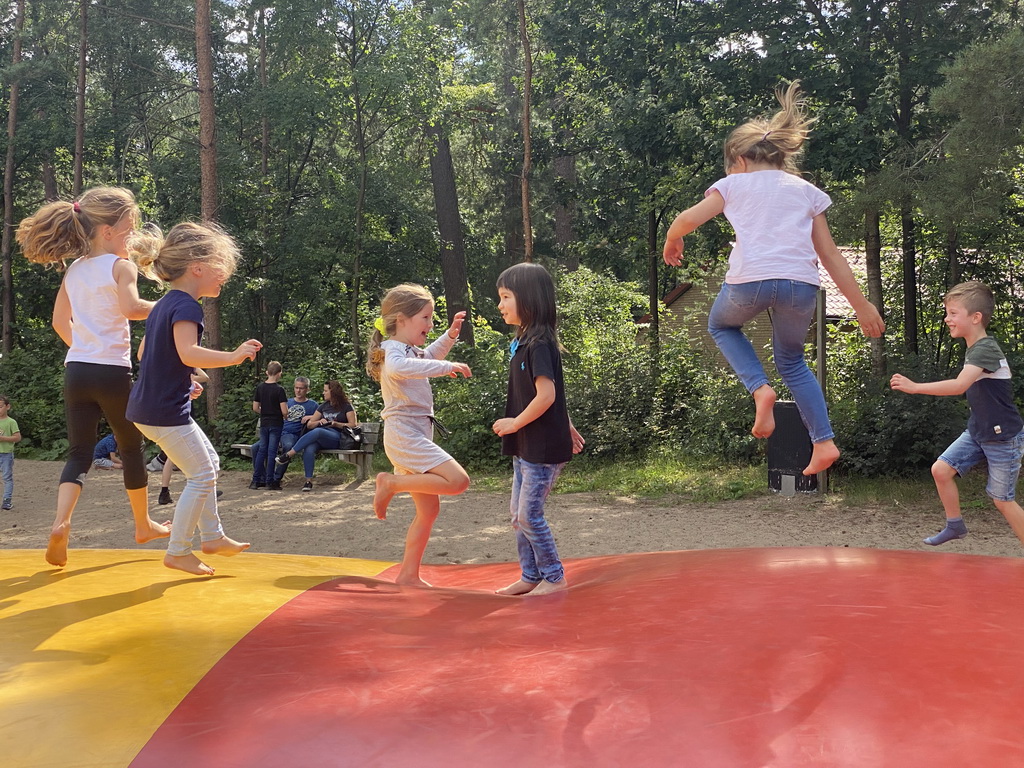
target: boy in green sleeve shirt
995 430
9 435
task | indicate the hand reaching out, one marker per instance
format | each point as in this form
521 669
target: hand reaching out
460 368
456 327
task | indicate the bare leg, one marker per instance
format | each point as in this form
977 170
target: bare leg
449 479
823 456
427 507
764 411
949 494
1014 516
165 474
57 548
188 563
145 528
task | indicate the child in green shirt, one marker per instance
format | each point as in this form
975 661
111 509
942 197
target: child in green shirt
9 435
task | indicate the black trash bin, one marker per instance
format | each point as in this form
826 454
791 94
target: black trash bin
789 451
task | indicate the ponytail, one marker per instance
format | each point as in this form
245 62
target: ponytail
777 141
61 231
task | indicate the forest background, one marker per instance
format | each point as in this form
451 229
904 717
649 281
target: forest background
353 145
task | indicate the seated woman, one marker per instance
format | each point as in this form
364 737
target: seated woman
334 413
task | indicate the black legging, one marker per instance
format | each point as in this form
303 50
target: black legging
92 390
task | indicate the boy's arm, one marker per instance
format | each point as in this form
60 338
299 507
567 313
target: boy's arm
957 386
871 323
14 438
284 409
256 406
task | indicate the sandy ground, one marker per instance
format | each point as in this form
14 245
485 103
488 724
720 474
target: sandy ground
336 519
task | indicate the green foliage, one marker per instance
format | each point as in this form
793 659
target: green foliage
33 379
880 431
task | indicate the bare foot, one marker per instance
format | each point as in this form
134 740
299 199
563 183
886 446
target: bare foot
412 581
519 588
189 564
823 456
57 548
547 587
224 546
152 531
383 495
764 411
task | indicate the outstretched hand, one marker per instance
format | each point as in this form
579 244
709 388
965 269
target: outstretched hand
901 383
248 350
456 327
460 368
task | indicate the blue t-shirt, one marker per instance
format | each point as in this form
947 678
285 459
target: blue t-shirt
160 397
293 421
104 448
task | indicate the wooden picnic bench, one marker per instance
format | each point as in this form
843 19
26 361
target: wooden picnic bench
361 457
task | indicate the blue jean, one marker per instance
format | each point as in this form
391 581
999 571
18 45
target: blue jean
538 555
1003 457
263 458
793 304
288 440
191 451
321 438
7 473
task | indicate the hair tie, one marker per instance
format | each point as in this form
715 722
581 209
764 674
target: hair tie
76 207
380 326
766 135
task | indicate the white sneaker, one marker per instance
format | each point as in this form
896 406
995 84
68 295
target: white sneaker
155 465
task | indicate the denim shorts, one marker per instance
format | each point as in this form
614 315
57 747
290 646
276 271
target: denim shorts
1003 459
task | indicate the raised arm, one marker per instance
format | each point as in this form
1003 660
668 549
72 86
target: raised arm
957 386
186 342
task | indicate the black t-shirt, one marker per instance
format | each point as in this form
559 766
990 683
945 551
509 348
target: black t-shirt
270 396
545 440
994 415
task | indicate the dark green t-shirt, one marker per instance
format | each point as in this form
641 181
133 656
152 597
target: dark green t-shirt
994 415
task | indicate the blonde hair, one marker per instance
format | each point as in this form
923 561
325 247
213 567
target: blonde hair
975 296
778 140
61 231
406 299
166 257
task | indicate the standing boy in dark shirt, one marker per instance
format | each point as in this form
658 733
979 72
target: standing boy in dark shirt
271 403
994 430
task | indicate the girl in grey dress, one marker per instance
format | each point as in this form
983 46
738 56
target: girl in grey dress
403 367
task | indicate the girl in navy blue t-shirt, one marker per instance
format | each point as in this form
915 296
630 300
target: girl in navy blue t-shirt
196 260
536 430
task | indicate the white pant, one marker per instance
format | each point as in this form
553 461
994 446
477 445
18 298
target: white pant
192 453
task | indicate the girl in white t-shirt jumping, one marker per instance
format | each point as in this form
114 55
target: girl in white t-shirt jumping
781 233
98 296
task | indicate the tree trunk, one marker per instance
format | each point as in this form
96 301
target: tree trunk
909 244
524 39
873 262
565 211
208 186
357 259
83 55
449 227
653 290
5 242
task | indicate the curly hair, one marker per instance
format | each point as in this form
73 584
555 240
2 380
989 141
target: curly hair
61 231
166 257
